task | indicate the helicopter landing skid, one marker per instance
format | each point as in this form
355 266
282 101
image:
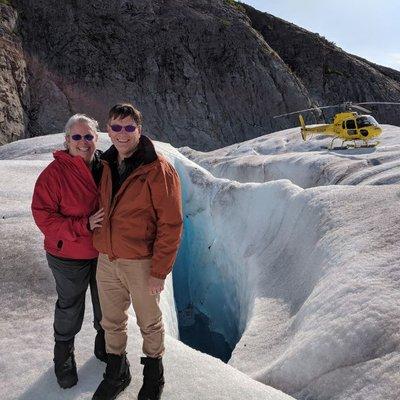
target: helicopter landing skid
351 147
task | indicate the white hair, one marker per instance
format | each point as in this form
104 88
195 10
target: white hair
92 123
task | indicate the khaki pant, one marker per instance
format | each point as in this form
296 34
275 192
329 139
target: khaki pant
119 283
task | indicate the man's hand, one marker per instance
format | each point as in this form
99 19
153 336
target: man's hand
156 285
96 219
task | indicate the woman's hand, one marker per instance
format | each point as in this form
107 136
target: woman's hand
156 285
96 219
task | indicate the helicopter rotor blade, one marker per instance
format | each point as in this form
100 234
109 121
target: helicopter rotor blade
348 105
381 102
295 112
357 107
316 109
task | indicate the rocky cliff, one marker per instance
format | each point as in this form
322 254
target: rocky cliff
205 73
14 96
330 75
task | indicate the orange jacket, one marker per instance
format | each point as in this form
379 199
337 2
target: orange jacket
144 219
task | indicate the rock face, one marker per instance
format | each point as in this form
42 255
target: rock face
198 70
14 96
330 75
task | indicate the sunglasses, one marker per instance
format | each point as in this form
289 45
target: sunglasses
88 137
127 128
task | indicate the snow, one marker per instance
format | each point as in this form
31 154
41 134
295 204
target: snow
298 274
283 155
27 295
322 264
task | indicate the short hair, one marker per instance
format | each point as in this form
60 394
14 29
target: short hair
92 123
123 110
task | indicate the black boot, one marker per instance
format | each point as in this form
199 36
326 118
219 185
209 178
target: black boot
64 364
100 346
153 379
116 378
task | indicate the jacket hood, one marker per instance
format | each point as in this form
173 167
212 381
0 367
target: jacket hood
64 155
76 165
61 155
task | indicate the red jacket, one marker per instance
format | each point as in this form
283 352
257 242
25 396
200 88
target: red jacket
65 195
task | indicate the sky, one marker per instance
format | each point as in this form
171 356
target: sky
367 28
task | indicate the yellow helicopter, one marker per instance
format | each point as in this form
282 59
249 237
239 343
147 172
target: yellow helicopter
348 126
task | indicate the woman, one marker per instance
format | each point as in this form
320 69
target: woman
64 200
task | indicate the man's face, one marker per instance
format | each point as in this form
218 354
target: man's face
121 135
78 144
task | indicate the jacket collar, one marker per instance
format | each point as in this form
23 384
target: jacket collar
63 155
76 165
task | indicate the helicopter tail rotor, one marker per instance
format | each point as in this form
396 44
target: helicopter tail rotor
303 127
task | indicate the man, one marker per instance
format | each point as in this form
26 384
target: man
137 240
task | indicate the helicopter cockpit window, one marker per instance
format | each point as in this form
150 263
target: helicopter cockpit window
366 120
351 124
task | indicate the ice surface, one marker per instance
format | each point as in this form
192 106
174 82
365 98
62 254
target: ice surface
27 296
284 155
299 276
326 311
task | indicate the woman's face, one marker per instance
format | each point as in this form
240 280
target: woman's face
78 144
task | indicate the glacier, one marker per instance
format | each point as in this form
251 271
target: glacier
288 270
325 313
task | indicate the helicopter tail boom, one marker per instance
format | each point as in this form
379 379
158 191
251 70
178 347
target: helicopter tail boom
315 129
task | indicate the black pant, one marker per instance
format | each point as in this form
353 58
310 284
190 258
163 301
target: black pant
72 279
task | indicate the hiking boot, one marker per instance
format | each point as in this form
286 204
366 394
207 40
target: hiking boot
100 346
116 378
64 364
153 379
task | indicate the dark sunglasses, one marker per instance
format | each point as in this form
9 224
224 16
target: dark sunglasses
128 128
88 137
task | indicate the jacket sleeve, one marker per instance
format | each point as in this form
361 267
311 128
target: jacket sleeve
45 210
167 202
